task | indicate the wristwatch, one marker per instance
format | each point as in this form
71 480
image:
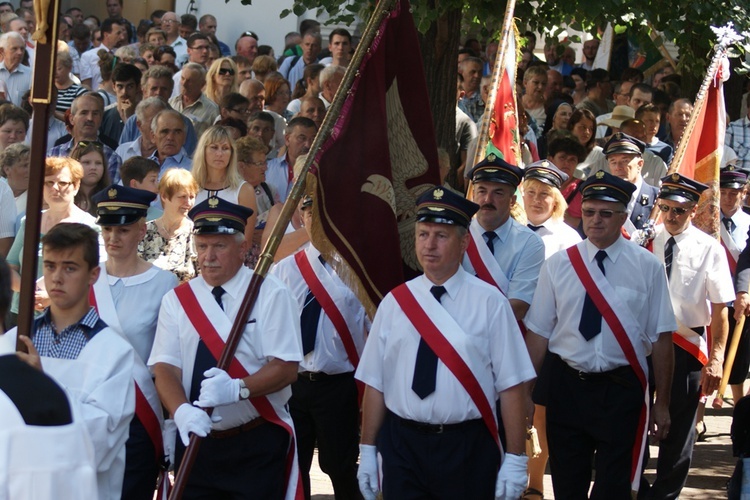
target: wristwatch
244 391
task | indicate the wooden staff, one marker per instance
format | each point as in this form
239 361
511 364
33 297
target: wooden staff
497 72
266 258
731 354
41 98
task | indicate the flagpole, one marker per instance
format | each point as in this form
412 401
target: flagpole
382 9
674 166
484 131
41 100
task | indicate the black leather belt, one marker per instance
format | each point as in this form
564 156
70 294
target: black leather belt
238 430
433 428
622 375
320 376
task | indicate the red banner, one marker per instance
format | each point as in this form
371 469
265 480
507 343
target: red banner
379 158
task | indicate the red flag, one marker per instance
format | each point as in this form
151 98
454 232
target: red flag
503 132
380 156
702 158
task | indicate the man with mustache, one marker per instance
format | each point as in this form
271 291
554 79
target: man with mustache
504 252
700 286
86 114
126 79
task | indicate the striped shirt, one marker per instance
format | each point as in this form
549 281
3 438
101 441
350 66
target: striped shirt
738 138
65 97
69 343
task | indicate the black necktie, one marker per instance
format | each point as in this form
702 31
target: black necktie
591 319
490 236
425 368
203 357
309 322
668 249
728 223
218 292
533 227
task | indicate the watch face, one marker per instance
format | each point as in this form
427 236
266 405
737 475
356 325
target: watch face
244 393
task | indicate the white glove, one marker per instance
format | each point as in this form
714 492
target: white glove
189 419
367 474
512 478
218 389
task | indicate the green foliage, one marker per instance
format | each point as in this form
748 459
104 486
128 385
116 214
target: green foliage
687 24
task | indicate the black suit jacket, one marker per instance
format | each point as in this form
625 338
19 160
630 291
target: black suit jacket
644 203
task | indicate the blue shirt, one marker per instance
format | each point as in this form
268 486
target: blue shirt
277 176
69 343
181 160
131 132
113 159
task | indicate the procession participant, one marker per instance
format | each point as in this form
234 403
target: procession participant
92 362
545 206
625 160
502 251
601 361
324 403
249 438
37 419
735 225
125 279
443 347
700 285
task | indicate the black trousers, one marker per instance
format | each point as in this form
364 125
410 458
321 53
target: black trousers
676 451
594 418
742 359
250 465
326 412
461 462
141 468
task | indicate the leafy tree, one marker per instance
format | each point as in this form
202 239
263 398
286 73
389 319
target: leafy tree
442 22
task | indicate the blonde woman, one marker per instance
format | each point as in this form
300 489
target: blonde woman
221 79
216 172
168 243
545 208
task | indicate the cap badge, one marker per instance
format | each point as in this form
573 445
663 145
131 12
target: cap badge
730 168
600 174
491 157
112 193
213 202
675 177
545 164
438 194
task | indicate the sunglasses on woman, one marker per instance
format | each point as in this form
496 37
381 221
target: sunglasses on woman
226 71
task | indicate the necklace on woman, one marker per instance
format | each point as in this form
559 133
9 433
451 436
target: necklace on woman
167 231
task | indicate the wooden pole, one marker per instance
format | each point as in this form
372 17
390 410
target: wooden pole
731 354
41 99
484 130
266 258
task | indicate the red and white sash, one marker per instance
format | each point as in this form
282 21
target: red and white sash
604 295
215 342
413 303
695 344
326 292
731 248
485 266
147 404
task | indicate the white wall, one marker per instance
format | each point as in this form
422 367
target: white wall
233 18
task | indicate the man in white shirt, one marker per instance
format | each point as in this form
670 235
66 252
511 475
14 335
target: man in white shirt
17 77
113 37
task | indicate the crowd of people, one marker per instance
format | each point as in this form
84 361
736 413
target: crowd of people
169 157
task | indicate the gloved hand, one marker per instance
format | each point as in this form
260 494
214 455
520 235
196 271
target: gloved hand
218 389
189 419
512 477
367 475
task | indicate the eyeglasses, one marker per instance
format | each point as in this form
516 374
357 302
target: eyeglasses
240 111
604 214
61 185
226 71
249 33
168 21
675 210
199 47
